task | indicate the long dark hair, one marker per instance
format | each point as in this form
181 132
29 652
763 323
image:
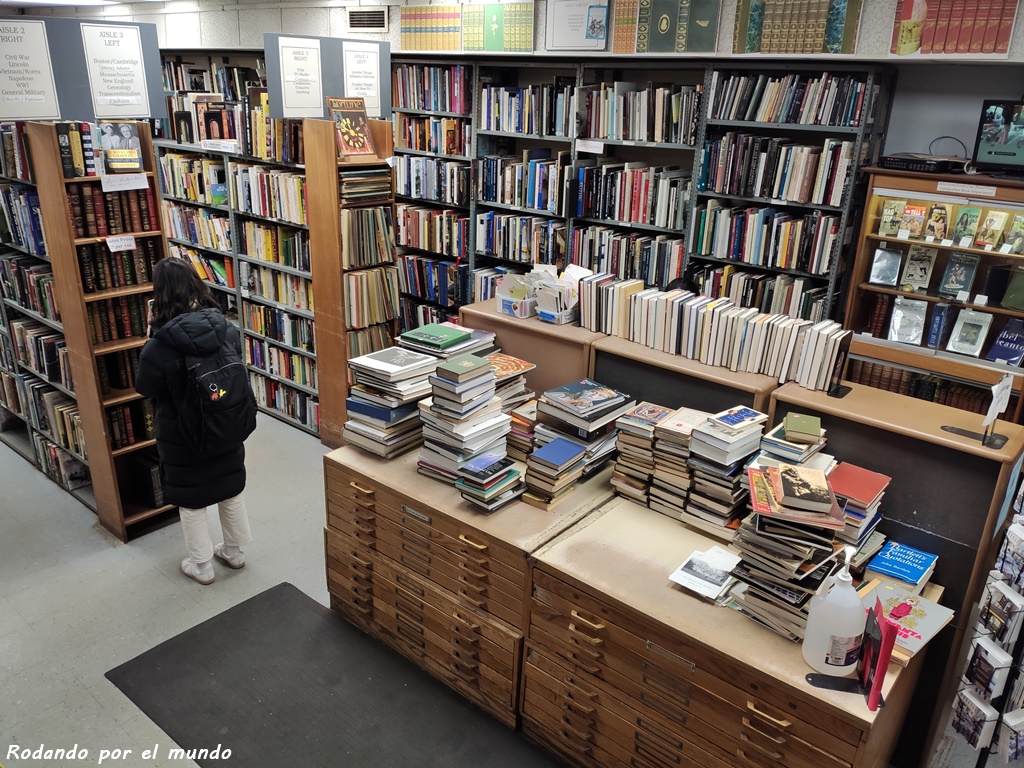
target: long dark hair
177 289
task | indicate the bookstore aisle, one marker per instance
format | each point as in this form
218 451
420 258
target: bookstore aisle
76 602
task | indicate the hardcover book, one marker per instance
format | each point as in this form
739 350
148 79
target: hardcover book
436 335
892 215
122 150
351 127
966 224
959 274
903 562
937 224
559 453
1009 344
917 273
646 415
861 486
885 267
969 333
506 366
802 428
738 419
990 230
1015 234
463 367
583 397
801 488
907 322
941 325
912 221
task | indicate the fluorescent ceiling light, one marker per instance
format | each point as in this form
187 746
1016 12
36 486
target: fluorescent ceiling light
51 3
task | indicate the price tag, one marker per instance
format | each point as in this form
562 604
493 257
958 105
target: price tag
929 238
981 300
988 247
903 234
963 296
118 243
1005 248
629 143
1000 399
390 161
947 243
589 145
118 182
965 242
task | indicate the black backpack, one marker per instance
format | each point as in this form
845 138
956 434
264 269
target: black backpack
218 410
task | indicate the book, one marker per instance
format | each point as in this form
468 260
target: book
941 325
122 150
876 651
988 666
968 336
708 574
643 418
462 368
1009 344
891 216
917 272
583 397
959 274
1013 297
481 469
885 267
907 322
506 366
558 454
912 221
861 486
1015 234
937 224
966 225
802 428
801 488
436 335
903 562
990 229
917 618
738 419
395 363
351 127
974 718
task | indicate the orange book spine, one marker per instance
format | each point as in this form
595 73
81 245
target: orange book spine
928 30
956 18
1005 26
981 23
963 42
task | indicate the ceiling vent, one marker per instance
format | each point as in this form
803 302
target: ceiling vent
368 19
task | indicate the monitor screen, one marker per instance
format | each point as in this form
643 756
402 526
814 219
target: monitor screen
999 145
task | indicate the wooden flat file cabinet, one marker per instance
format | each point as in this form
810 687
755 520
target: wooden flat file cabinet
624 669
416 567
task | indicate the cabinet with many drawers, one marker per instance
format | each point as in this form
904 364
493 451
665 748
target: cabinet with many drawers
413 565
623 668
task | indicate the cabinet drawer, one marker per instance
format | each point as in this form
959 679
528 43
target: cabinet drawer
355 487
352 520
598 633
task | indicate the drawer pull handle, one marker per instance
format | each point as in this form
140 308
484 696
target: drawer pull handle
596 626
415 552
479 589
458 617
574 706
585 748
415 564
367 538
465 677
365 610
781 723
481 604
404 621
411 638
365 563
575 684
584 636
772 755
368 530
358 487
368 518
473 572
578 734
461 654
659 705
637 764
474 544
582 664
408 611
469 668
777 739
362 581
482 561
595 655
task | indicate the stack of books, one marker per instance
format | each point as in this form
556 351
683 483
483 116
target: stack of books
862 490
719 449
519 441
510 379
672 478
490 481
634 441
583 412
447 340
462 419
552 471
795 447
388 384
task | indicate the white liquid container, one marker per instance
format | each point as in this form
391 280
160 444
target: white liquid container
835 627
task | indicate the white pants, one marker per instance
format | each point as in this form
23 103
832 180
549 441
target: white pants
233 520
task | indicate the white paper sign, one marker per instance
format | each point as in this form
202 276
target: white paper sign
577 25
963 296
117 76
589 145
117 182
302 89
121 243
966 189
947 242
1000 399
27 90
362 74
981 299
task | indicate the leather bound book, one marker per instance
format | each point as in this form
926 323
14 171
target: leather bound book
103 374
129 428
137 316
140 274
134 210
144 217
75 205
100 207
86 268
103 332
124 267
124 318
154 212
114 223
89 214
105 273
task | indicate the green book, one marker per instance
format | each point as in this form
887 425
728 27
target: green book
801 428
462 368
436 335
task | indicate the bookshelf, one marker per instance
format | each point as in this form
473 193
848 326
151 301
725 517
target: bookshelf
918 361
102 295
357 291
777 182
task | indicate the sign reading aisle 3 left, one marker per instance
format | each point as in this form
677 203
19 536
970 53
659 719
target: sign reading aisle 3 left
117 77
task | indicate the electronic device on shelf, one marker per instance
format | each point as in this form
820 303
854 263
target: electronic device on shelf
999 143
922 163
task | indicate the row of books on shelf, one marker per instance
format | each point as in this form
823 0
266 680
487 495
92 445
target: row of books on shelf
767 237
921 386
29 283
785 26
414 312
219 271
59 465
634 192
44 408
14 155
102 269
485 280
279 325
443 232
95 213
371 296
367 237
193 177
446 283
515 237
433 179
438 135
364 185
965 226
279 362
778 294
116 371
537 110
288 401
269 192
231 80
626 111
655 259
21 223
91 149
532 180
433 88
775 167
122 317
826 99
953 28
39 348
362 341
131 423
275 244
198 226
272 285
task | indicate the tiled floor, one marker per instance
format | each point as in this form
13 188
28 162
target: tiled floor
75 601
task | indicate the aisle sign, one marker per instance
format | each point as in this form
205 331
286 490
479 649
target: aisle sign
117 77
27 90
301 81
362 74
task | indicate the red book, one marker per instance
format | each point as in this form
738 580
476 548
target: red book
859 485
941 26
988 43
963 43
956 18
100 205
897 20
879 638
928 29
1005 26
981 23
154 214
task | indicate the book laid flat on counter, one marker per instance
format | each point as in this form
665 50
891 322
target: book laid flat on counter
738 419
802 488
708 574
918 619
802 428
461 368
583 397
904 563
436 335
394 364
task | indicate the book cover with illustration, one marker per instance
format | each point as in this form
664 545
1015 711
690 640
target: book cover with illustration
892 215
937 224
351 128
959 274
917 273
506 366
583 397
969 333
912 221
907 322
1015 234
966 224
990 229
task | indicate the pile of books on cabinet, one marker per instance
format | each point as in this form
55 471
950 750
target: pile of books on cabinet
634 441
672 478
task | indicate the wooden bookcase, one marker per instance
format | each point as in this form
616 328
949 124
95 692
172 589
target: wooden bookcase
865 298
112 481
326 240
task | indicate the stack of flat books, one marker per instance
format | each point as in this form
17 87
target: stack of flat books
670 484
490 481
388 384
862 491
462 419
634 441
510 379
447 340
519 441
583 412
795 448
552 471
719 448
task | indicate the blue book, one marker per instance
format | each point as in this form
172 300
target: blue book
902 562
559 453
1009 344
941 326
377 411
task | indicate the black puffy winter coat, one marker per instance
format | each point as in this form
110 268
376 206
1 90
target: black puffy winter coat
191 478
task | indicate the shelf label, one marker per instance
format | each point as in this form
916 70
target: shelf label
929 238
117 77
947 243
1005 248
981 299
301 78
957 188
965 242
963 296
903 234
26 73
589 145
118 182
1000 399
118 243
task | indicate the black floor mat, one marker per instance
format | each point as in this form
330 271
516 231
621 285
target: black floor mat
282 681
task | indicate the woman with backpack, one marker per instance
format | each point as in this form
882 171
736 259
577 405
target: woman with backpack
192 369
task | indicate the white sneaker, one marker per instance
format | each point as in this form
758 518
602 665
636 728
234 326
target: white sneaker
198 573
235 561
